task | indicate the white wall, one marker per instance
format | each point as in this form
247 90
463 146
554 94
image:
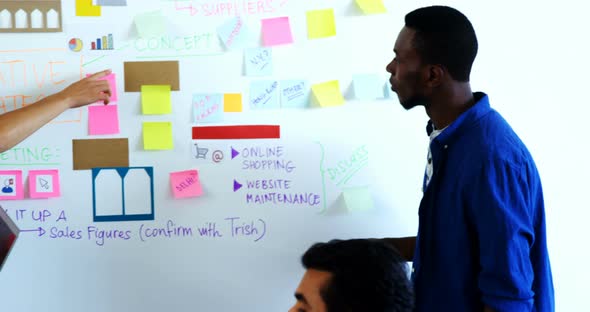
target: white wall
531 61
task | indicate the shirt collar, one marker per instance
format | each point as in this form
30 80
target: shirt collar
466 119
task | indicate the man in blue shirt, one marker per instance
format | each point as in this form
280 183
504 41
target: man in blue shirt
481 243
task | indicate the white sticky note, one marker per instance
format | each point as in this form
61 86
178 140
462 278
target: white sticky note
234 34
294 93
258 61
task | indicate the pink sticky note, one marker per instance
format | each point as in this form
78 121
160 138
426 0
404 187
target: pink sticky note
186 184
103 119
44 183
112 83
276 31
11 184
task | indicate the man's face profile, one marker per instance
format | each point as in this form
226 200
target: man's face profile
405 70
308 293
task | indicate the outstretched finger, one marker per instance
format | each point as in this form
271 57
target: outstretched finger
99 74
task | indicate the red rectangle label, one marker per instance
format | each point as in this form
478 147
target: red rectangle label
237 132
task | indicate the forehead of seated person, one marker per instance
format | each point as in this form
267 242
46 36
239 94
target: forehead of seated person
309 291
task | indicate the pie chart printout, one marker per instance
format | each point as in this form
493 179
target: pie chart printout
75 44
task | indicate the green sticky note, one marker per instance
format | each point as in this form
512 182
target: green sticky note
155 100
321 24
328 93
358 199
371 6
157 136
150 24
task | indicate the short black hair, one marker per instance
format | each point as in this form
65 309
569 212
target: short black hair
368 275
444 36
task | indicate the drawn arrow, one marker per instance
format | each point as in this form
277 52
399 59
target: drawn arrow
40 230
44 183
234 153
237 185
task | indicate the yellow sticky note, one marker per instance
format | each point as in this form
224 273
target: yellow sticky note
328 93
232 102
157 136
85 8
321 24
371 6
155 100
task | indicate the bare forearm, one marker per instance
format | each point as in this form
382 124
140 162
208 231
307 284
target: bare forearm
404 245
17 125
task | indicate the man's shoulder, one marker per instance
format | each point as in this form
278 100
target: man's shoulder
489 143
498 140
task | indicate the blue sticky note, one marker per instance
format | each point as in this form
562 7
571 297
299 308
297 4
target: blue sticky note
233 33
294 93
208 107
258 62
111 2
264 94
367 86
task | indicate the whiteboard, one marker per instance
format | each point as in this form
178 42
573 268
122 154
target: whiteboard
223 251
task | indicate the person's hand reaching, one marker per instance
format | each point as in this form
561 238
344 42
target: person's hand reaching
87 91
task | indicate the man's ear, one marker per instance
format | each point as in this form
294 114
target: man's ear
436 75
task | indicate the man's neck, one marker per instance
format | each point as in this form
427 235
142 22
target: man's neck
450 104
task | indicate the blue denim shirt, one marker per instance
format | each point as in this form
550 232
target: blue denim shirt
481 237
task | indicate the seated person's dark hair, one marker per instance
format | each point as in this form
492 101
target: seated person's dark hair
367 276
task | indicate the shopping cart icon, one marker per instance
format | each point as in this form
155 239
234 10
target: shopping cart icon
201 152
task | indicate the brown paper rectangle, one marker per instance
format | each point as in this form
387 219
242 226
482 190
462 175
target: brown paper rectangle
151 73
28 6
100 153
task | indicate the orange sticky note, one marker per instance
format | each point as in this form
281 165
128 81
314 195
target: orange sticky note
232 102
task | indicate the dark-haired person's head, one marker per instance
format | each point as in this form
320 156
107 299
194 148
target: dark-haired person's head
358 275
434 51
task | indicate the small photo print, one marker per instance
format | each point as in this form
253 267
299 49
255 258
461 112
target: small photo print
8 185
11 184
